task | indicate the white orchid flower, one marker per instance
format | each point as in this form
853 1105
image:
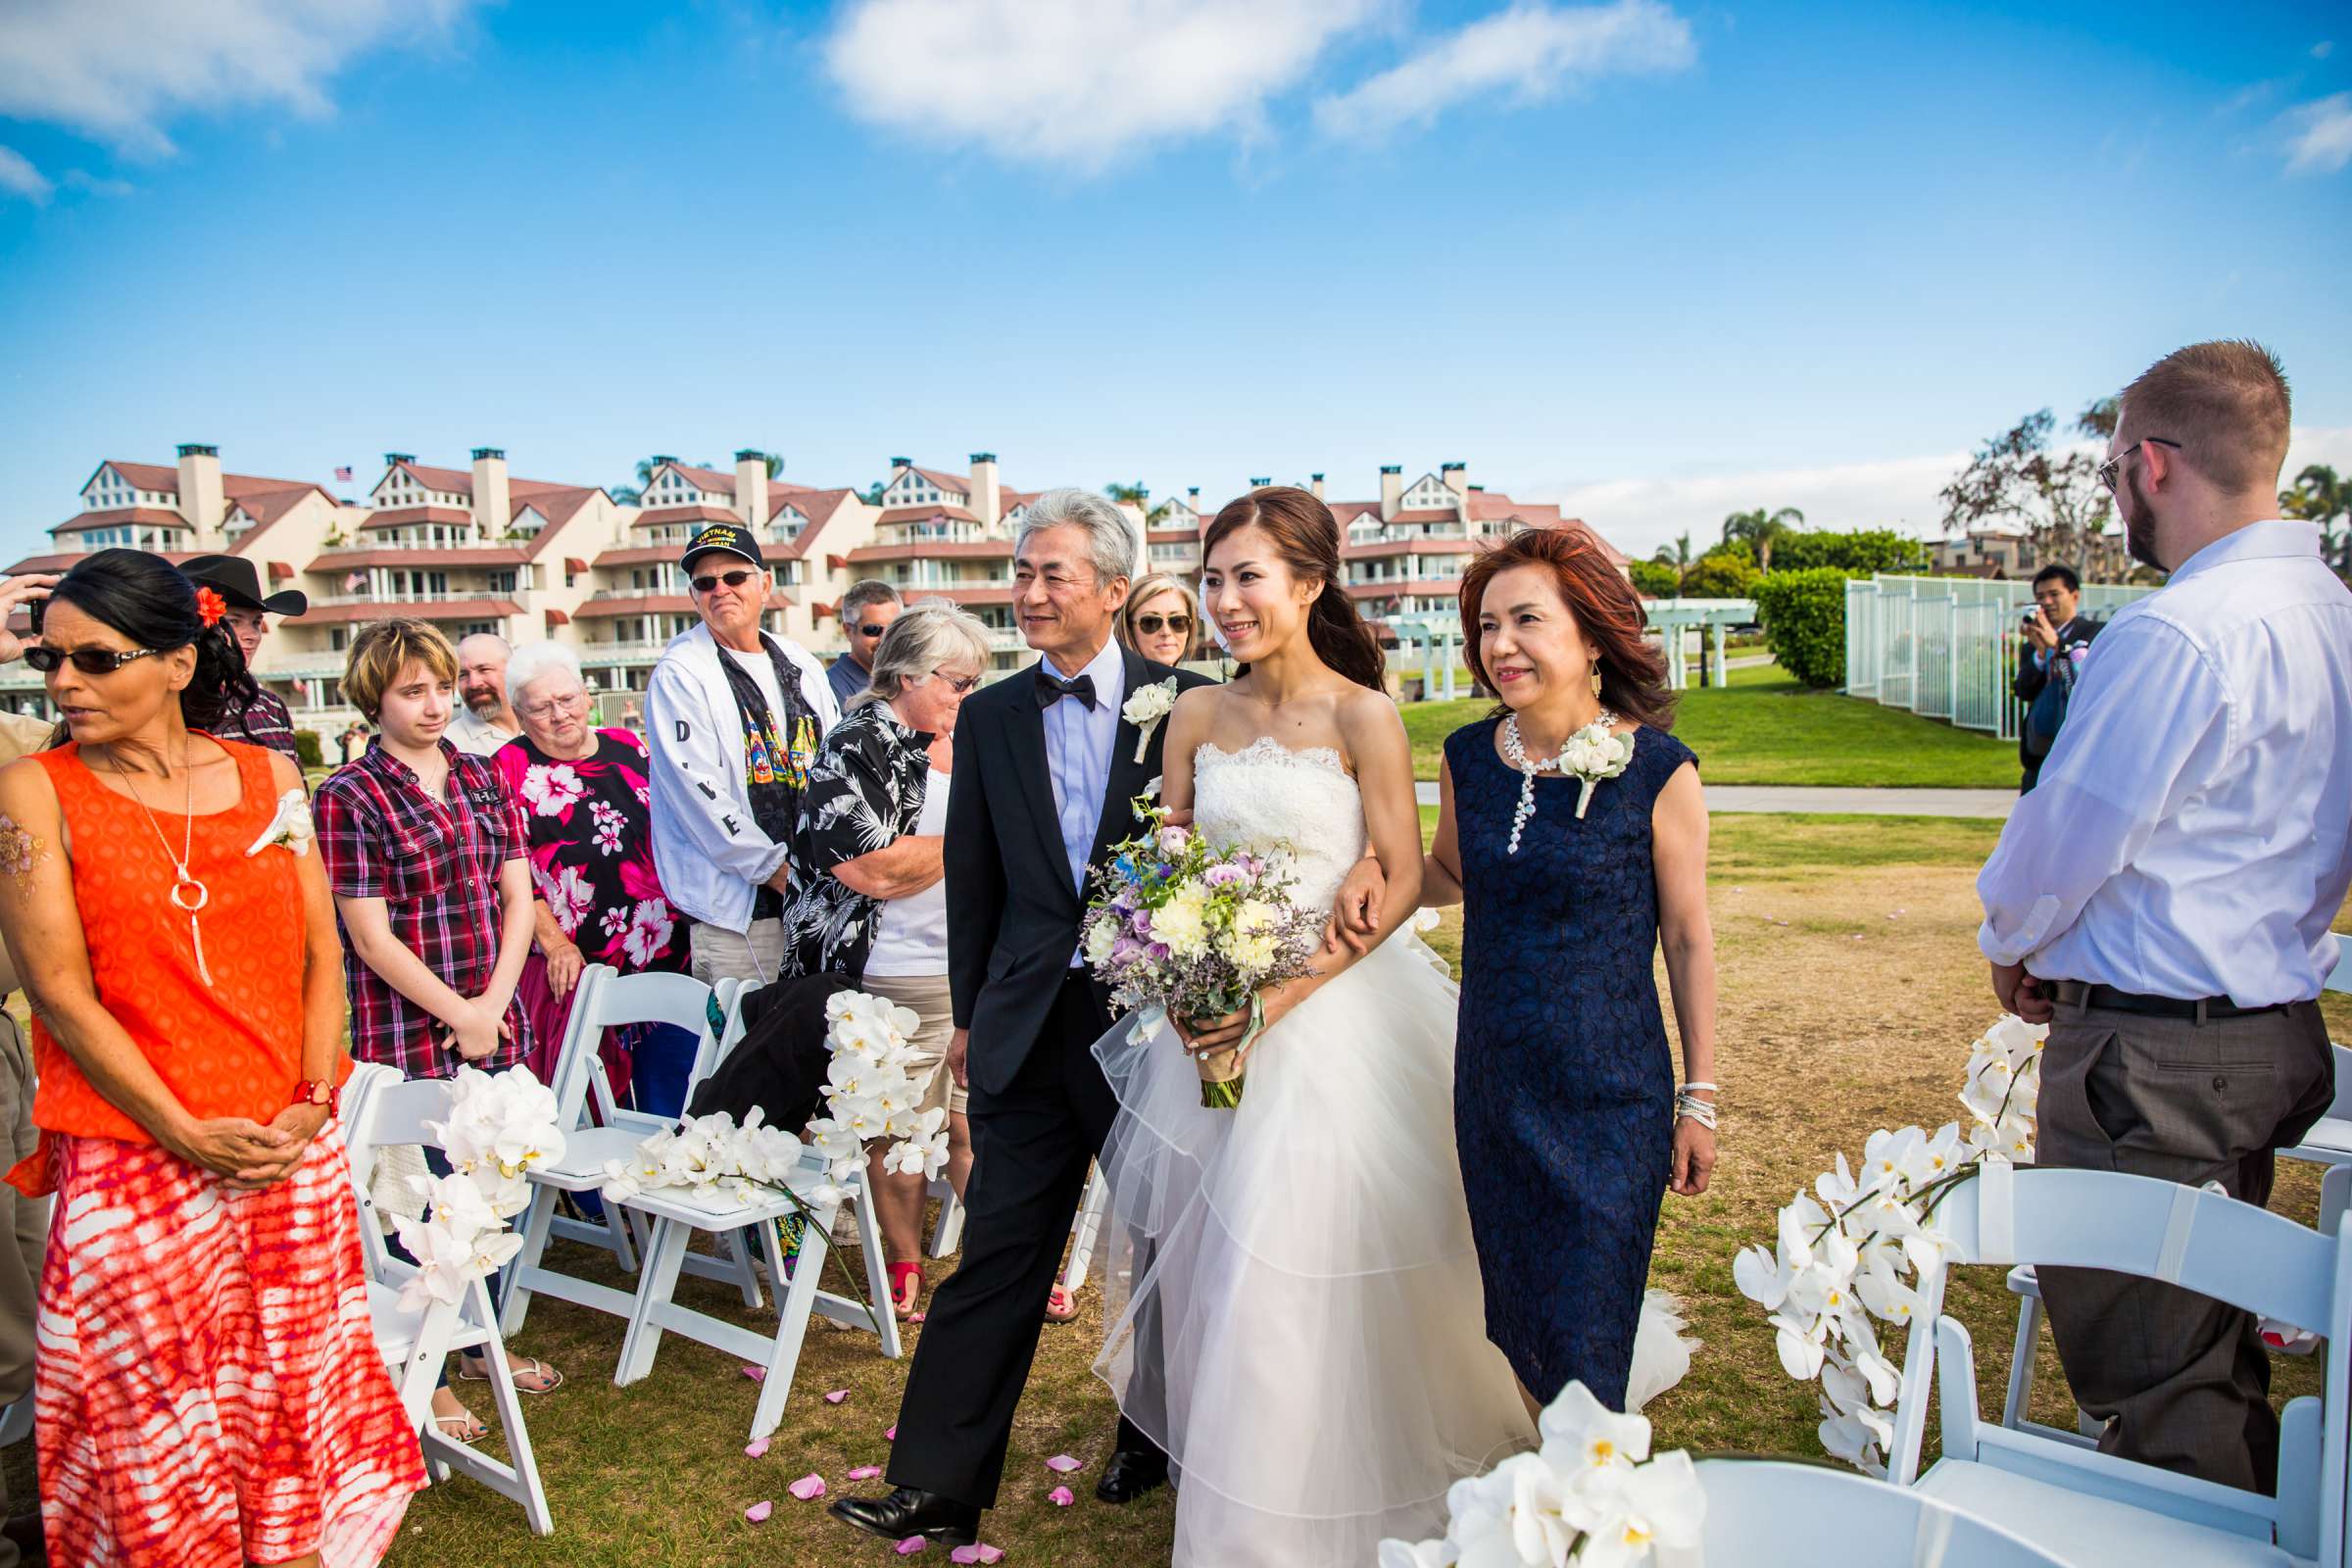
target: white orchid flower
290 825
1659 1504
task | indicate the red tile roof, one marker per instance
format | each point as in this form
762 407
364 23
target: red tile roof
936 550
898 514
952 483
635 555
121 514
400 517
556 502
819 507
420 556
157 476
660 515
641 605
422 610
61 562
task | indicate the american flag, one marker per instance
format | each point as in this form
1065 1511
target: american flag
344 473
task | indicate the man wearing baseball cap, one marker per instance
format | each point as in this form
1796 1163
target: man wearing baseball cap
264 721
733 717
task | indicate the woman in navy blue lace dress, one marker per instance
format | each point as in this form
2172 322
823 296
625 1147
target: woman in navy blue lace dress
1570 1126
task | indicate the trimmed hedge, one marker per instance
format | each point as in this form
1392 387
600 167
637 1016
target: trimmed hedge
306 749
1804 622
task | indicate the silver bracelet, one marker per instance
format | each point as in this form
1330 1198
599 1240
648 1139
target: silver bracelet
1688 1107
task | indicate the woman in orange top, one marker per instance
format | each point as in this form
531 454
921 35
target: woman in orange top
208 1385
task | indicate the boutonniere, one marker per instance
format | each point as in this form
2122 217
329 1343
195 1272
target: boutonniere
1592 754
291 826
1146 708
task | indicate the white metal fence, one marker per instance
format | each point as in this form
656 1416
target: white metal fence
1947 647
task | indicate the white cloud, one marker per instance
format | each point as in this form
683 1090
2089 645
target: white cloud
84 180
2322 49
1526 53
117 70
19 177
2323 141
1077 82
1638 515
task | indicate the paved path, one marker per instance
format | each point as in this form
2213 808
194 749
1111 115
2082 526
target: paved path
1992 803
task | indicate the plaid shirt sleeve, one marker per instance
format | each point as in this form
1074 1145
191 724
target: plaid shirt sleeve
351 838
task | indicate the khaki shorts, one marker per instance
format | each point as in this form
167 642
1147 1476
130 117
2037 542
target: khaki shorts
927 995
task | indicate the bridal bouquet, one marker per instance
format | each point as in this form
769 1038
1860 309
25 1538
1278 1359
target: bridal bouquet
1850 1254
1181 928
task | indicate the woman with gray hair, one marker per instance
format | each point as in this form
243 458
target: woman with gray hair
583 795
871 903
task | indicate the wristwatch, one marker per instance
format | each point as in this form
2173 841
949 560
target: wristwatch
317 1092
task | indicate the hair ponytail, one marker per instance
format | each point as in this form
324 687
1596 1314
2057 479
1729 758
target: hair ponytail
1306 536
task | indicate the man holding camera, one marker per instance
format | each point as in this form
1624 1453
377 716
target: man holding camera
2045 664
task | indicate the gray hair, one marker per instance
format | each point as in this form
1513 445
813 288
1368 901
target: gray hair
869 590
1110 538
930 634
536 661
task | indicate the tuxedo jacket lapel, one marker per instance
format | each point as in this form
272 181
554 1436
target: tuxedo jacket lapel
1025 731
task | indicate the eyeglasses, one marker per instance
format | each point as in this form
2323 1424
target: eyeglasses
89 660
961 686
1150 624
733 579
2113 468
873 628
570 703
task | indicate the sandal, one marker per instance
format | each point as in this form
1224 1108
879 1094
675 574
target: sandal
470 1428
475 1369
906 1288
1060 1306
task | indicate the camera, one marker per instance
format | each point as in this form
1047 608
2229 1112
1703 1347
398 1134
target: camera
2031 611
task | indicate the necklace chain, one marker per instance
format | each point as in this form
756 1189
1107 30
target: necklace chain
1514 751
181 877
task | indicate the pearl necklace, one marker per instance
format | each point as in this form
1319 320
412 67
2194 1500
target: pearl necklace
1514 751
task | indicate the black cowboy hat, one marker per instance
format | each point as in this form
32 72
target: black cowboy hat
239 581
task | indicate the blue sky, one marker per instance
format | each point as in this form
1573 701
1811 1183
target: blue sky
1655 260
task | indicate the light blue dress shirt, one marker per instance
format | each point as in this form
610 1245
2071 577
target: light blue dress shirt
1078 747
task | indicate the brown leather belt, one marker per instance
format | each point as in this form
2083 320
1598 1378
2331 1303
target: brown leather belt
2078 994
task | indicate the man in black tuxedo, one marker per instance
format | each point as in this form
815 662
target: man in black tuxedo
2045 664
1045 766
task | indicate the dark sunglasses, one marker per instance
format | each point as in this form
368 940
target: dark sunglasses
2113 468
1150 624
733 579
872 628
89 660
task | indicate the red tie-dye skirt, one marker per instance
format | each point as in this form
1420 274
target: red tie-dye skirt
209 1388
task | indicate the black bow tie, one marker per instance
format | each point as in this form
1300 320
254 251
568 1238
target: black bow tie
1051 688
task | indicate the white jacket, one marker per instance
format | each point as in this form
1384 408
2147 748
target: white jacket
711 854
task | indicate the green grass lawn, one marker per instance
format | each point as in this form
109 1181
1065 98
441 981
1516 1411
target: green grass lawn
1768 728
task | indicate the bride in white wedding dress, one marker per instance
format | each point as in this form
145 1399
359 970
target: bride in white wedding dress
1294 1303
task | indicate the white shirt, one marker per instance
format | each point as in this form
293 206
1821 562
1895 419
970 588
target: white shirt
2190 835
911 934
468 733
1078 745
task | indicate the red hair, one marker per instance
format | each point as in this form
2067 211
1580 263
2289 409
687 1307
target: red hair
1605 608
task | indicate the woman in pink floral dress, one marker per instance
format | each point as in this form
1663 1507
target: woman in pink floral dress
583 797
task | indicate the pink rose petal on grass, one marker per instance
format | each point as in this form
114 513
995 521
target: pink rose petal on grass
1061 1497
1061 1464
757 1374
866 1472
912 1545
981 1552
755 1449
757 1513
892 1436
837 1395
807 1487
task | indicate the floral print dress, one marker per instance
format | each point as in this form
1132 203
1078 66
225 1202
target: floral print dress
591 852
865 792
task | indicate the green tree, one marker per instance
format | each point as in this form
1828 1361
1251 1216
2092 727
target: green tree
1720 574
2055 493
1135 495
1676 555
1654 578
2321 497
1762 530
1861 552
1804 622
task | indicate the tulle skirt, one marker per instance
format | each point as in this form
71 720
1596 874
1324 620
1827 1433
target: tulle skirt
1293 1300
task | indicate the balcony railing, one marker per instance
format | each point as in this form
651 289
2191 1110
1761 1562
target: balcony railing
430 595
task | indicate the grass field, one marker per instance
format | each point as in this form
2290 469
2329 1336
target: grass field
1851 988
1766 727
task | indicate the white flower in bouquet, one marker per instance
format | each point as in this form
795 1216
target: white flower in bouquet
1181 924
500 1126
460 1239
1101 938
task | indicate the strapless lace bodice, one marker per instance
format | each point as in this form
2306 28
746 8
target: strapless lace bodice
1271 800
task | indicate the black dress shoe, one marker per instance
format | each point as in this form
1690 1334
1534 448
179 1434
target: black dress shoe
1130 1473
911 1512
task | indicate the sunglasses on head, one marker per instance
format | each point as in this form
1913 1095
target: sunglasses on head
1150 624
733 579
89 660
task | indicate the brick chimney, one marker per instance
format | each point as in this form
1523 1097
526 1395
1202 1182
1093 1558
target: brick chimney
987 498
493 509
751 490
1314 482
1191 498
201 499
1392 487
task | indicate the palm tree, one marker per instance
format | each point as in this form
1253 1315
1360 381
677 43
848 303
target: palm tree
1761 528
1135 495
2321 497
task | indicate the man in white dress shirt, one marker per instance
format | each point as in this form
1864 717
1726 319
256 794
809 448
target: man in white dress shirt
2169 917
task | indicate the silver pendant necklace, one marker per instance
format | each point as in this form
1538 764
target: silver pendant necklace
1514 751
188 894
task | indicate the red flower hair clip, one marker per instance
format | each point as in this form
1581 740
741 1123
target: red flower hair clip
210 607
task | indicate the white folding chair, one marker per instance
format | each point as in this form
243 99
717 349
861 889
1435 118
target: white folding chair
15 1422
947 1232
601 1000
2054 1488
417 1342
1086 1232
1770 1513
